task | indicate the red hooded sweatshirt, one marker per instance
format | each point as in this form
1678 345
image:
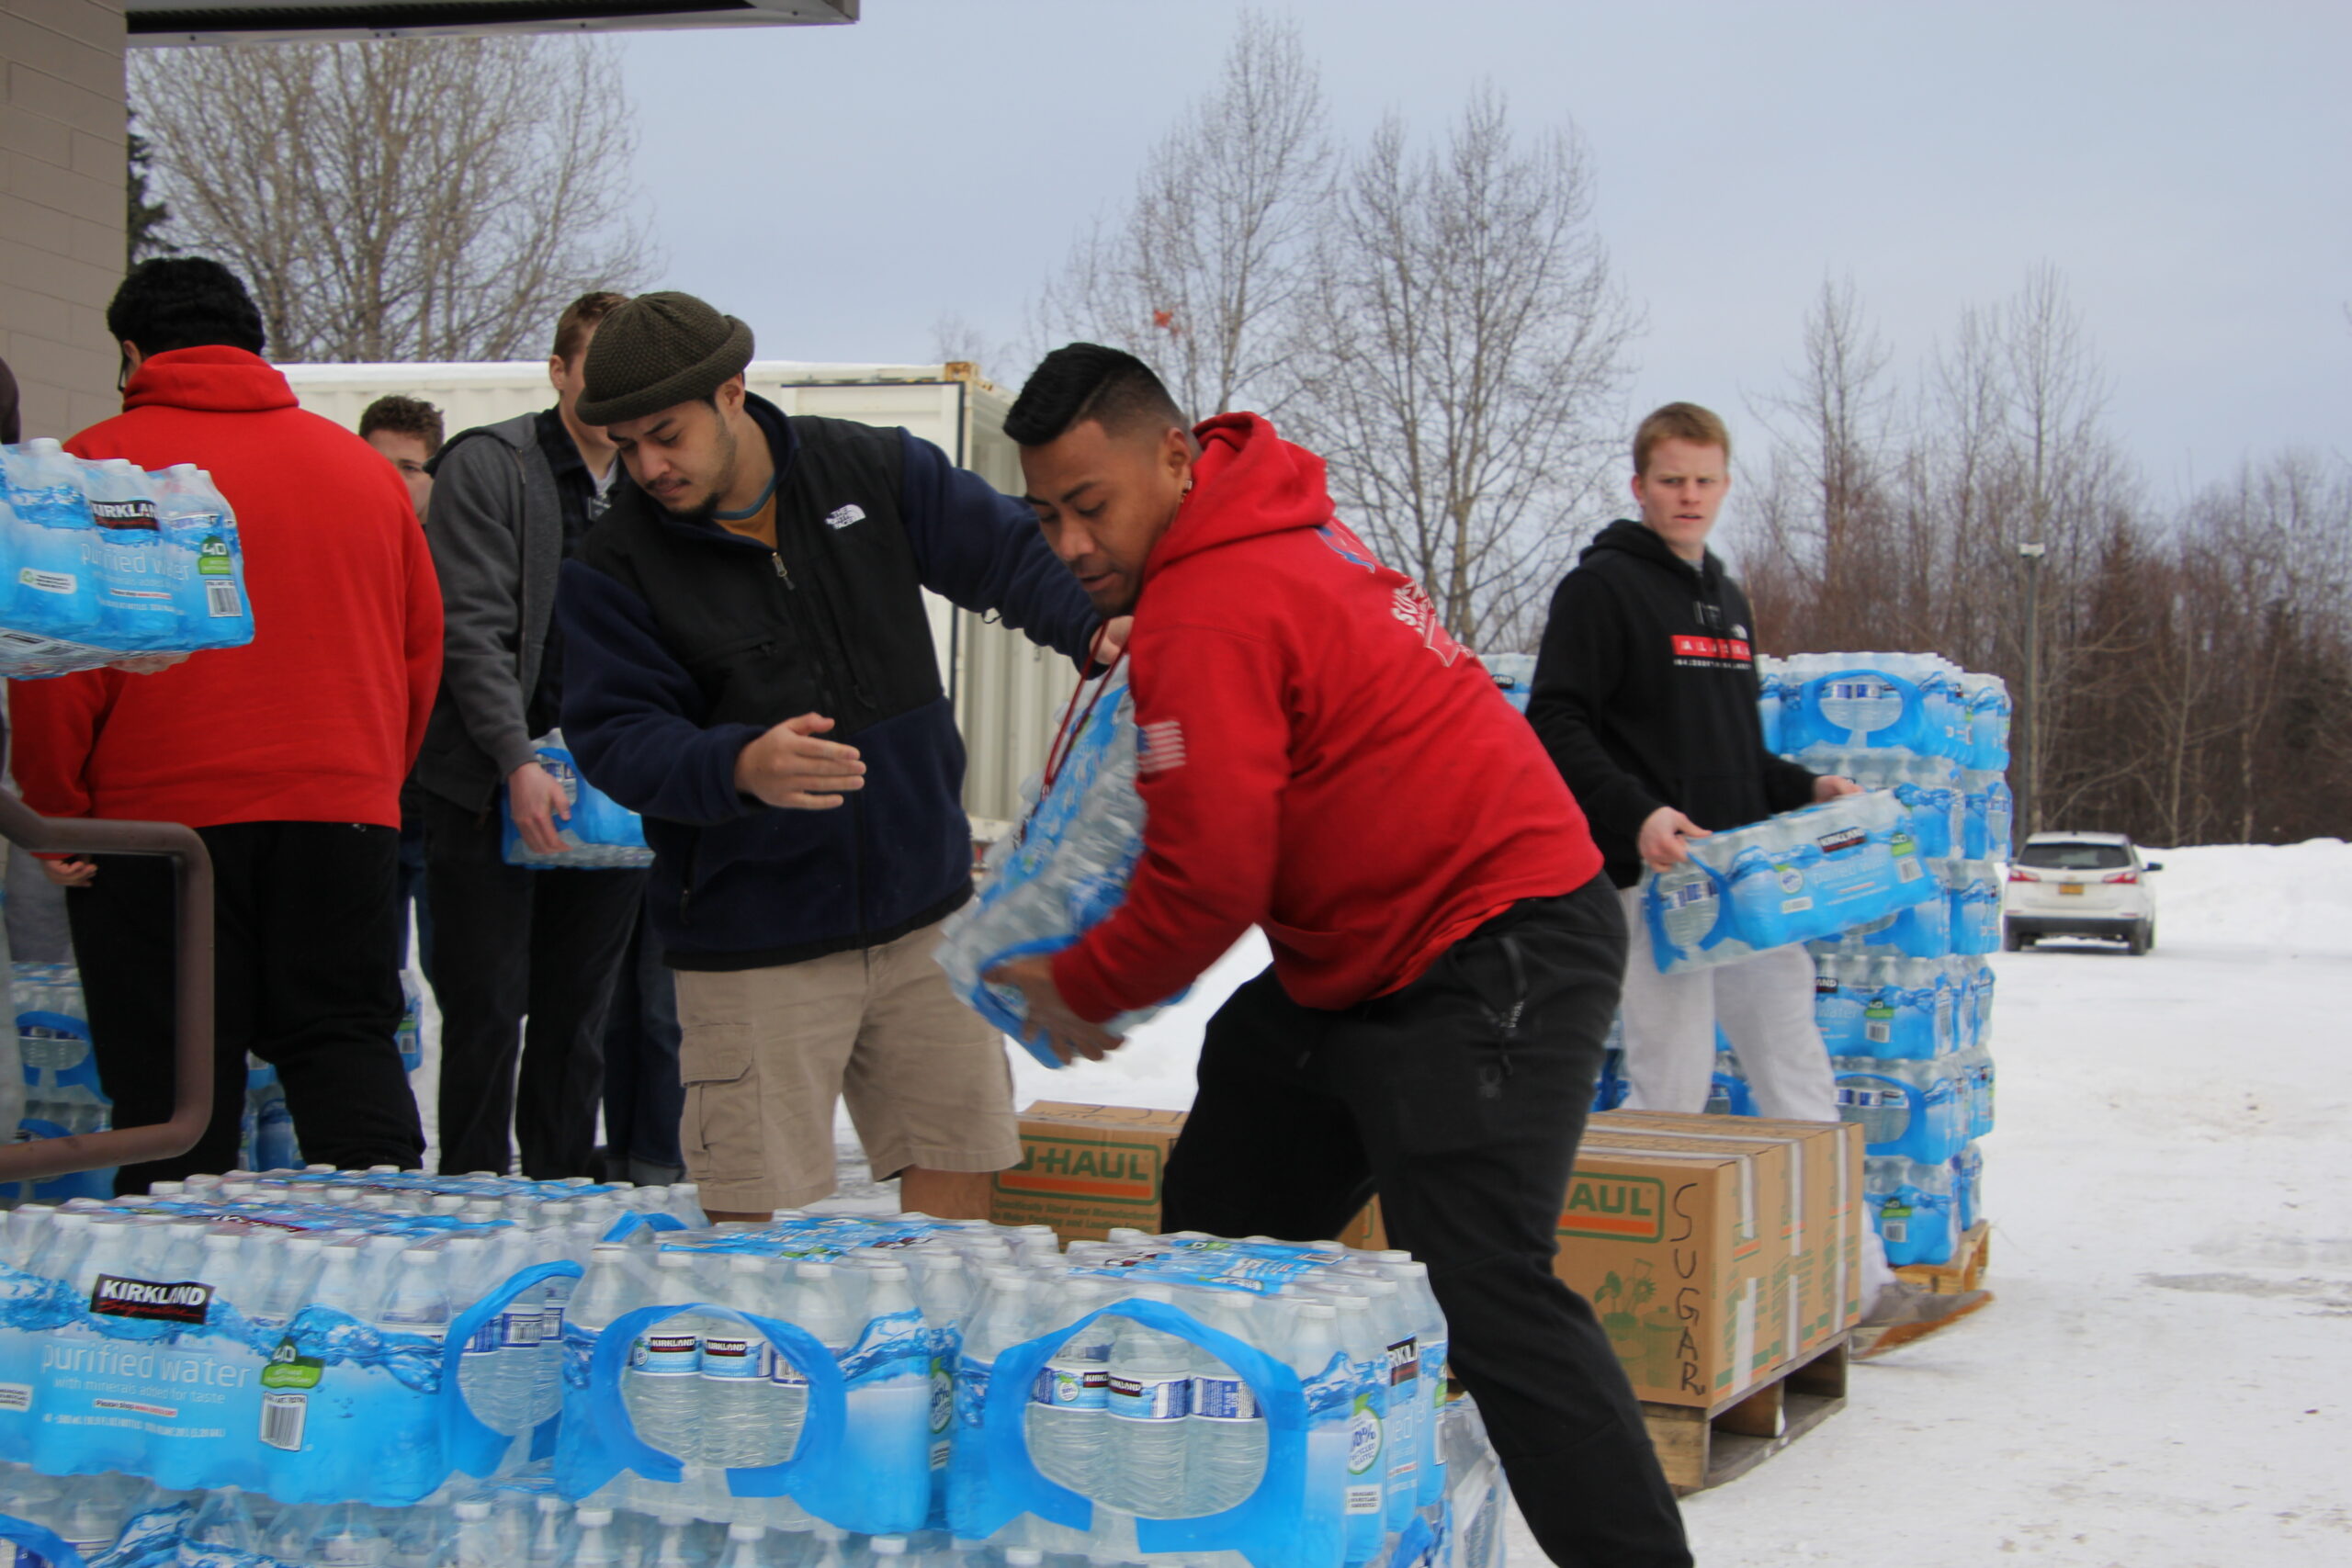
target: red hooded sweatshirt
1318 757
318 718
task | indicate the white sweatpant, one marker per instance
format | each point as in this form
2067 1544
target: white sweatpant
1765 1006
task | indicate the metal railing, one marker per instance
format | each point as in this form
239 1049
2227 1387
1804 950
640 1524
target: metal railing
191 990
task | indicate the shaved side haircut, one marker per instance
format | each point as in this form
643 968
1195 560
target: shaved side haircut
1082 382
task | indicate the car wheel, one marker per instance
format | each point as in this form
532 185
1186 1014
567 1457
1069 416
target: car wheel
2014 939
2137 943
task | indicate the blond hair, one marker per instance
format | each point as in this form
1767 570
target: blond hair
1678 421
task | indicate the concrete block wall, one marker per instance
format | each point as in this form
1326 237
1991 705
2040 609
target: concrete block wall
62 206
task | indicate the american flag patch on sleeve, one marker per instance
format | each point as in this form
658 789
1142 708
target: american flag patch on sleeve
1159 747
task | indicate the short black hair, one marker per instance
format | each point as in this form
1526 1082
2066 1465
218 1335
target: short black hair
184 302
1080 381
403 416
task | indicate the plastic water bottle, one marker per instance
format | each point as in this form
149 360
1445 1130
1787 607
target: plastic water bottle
1068 1404
477 1544
744 1546
1432 1343
736 1394
549 1538
1149 1394
223 1523
347 1538
417 1303
1367 1484
664 1365
817 1309
1315 1353
1229 1428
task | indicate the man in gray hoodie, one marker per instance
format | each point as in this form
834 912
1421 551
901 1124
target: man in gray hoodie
511 501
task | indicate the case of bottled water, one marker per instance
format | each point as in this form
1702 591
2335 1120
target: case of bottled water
1185 1394
1514 675
601 834
1063 872
59 1076
1915 1208
103 561
1796 877
322 1336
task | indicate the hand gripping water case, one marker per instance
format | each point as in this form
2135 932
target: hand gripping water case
1064 870
601 834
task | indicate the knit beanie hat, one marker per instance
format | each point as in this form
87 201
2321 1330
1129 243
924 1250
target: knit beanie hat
658 351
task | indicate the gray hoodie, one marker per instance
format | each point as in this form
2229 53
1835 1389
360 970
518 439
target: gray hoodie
496 529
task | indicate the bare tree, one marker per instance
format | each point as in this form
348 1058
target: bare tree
1200 275
412 199
1460 361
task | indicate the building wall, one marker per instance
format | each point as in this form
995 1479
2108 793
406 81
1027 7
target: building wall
62 206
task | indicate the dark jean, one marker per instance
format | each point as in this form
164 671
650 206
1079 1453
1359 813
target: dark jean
509 942
305 977
1459 1100
644 1097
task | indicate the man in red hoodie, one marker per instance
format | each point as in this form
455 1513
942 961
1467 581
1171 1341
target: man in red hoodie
1321 759
286 755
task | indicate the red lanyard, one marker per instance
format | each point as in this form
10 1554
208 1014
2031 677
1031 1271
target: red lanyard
1066 734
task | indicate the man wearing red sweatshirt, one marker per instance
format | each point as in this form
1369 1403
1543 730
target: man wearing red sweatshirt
1321 759
286 755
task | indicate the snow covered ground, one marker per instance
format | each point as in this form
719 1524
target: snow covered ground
2165 1379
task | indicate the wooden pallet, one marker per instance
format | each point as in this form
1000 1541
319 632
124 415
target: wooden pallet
1703 1448
1964 1272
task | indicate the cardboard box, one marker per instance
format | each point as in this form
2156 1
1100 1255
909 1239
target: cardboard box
1087 1168
1682 1246
1826 1238
1715 1249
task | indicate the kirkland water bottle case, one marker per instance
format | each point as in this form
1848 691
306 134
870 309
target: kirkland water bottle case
598 1442
1289 1521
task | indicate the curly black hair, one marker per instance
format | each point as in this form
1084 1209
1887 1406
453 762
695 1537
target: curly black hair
184 302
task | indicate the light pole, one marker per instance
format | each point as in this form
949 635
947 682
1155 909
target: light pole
2029 791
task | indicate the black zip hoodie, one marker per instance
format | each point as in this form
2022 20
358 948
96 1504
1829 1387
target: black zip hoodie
1646 695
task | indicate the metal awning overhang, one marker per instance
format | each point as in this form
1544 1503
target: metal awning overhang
158 22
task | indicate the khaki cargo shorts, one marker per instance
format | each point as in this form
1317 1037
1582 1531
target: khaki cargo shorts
767 1052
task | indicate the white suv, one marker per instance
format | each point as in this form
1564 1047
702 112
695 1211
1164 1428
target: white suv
2080 884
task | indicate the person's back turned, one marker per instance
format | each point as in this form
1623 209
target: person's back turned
287 753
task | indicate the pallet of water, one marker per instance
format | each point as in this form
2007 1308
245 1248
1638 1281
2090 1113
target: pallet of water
323 1336
1134 1397
520 1520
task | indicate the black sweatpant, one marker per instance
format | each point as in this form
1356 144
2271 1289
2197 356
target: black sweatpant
305 977
1459 1100
509 942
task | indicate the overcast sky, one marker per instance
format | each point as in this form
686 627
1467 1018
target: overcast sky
2183 165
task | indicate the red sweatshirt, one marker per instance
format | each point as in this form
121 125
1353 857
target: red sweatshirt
318 718
1319 758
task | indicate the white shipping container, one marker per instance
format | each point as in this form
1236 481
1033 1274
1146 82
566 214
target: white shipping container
1006 690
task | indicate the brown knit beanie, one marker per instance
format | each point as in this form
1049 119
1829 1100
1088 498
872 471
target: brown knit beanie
657 350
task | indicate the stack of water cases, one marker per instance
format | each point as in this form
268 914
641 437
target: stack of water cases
62 1094
1906 1003
100 561
1132 1399
815 1393
319 1336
